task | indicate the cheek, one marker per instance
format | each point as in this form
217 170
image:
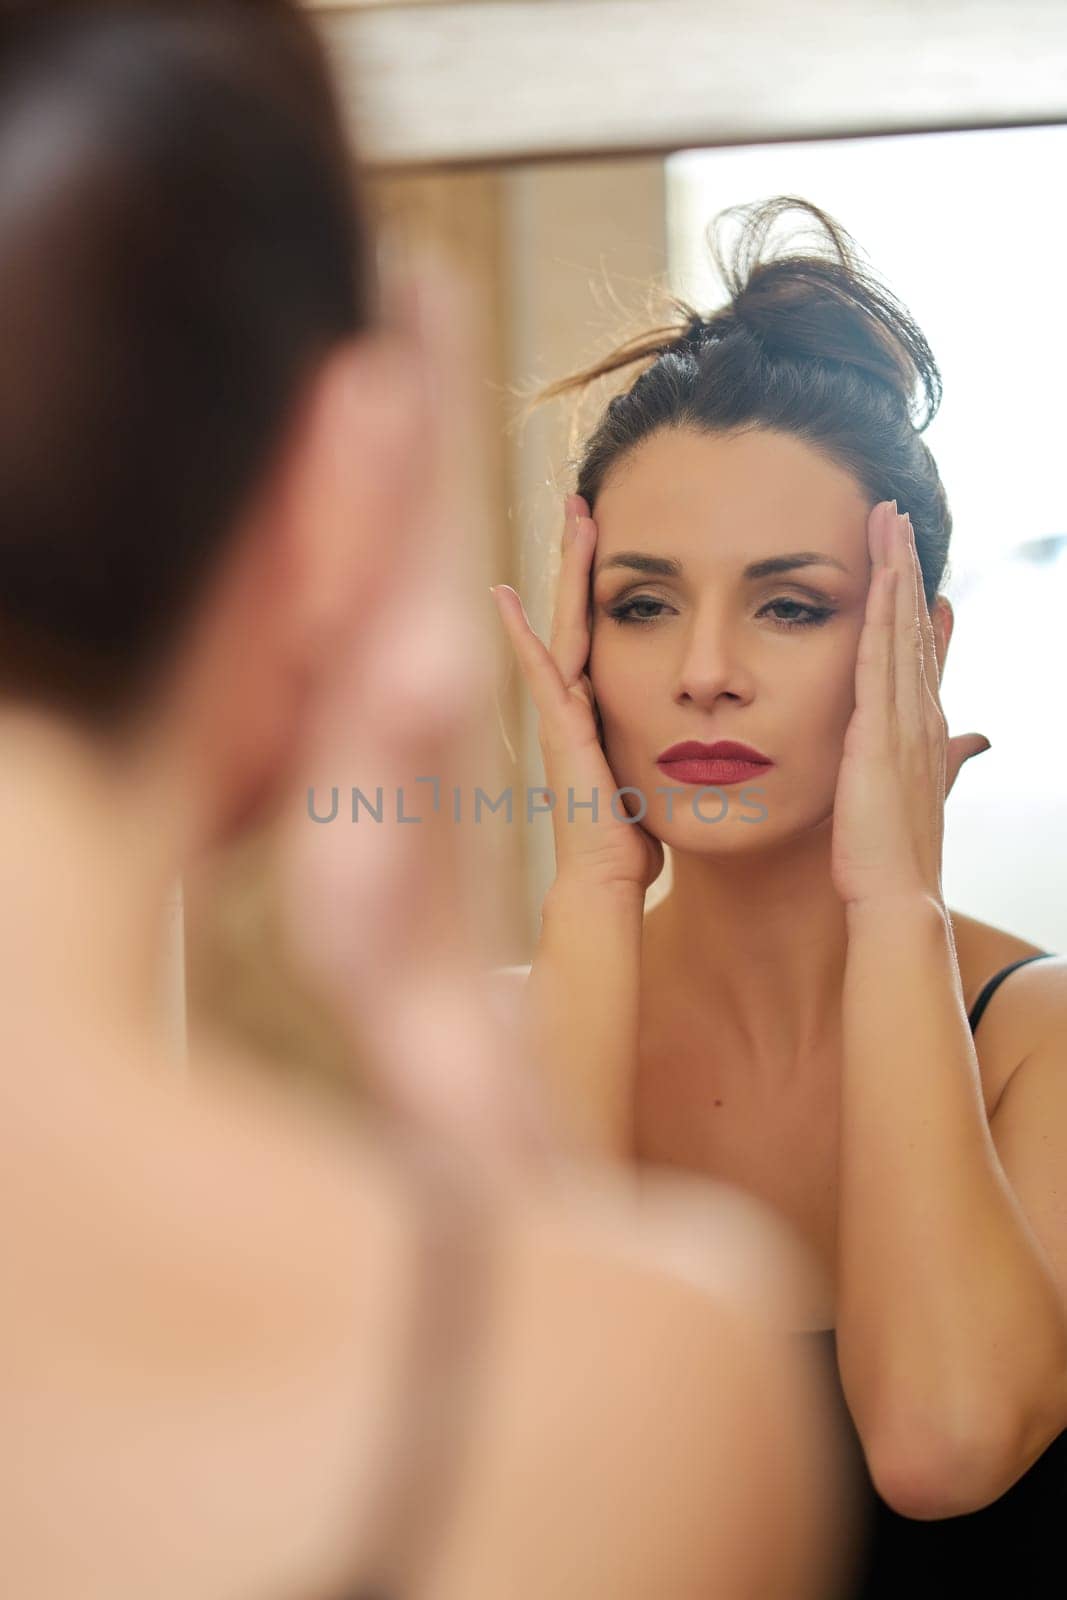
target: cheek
839 679
815 705
819 687
623 681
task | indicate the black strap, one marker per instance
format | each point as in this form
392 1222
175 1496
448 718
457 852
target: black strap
994 982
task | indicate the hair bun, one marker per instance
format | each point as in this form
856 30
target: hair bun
709 329
818 305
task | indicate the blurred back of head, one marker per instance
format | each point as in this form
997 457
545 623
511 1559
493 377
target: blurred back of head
180 245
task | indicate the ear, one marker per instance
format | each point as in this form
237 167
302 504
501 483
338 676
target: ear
348 482
317 544
942 619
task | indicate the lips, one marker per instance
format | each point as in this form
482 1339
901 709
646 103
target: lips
721 750
710 765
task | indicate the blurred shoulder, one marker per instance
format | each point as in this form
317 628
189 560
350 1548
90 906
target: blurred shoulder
729 1423
515 974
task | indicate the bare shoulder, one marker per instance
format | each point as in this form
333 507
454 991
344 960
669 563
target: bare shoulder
983 940
1025 1008
983 950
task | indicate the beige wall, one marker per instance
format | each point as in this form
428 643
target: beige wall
586 244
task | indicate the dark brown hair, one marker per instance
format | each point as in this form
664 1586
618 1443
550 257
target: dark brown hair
810 344
180 244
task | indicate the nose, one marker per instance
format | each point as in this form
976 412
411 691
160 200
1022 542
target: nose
712 665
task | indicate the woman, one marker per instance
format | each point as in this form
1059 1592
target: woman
244 1352
752 564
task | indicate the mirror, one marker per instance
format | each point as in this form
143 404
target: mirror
570 157
578 248
563 255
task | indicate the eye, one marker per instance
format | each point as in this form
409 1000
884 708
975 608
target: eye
798 614
627 612
810 616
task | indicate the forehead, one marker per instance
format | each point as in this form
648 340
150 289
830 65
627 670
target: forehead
747 493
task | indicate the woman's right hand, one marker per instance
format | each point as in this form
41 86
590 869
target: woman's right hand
601 849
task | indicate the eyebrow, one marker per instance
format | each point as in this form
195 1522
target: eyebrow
667 567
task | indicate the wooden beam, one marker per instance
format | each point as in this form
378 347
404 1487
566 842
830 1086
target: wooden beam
366 5
452 83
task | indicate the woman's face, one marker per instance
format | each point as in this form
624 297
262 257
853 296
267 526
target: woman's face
711 650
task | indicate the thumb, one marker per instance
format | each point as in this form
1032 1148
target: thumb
961 749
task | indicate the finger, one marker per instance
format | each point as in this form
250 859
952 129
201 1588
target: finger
537 663
393 881
874 656
960 749
876 536
913 583
926 626
569 644
910 688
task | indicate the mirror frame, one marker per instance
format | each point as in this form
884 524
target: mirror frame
447 83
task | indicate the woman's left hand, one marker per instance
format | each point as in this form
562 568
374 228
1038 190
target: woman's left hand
898 762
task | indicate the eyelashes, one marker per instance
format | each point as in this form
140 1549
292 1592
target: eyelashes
811 616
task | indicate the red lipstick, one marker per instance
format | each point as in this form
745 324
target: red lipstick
725 761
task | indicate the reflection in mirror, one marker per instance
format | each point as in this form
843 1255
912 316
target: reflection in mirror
860 1122
732 1018
565 260
933 213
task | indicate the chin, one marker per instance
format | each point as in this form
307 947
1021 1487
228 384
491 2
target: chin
727 838
738 820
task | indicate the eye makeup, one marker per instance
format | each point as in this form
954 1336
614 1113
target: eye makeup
800 614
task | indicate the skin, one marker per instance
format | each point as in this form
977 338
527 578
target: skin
715 663
715 660
722 949
794 1013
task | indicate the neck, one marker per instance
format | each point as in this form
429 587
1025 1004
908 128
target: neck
763 937
90 846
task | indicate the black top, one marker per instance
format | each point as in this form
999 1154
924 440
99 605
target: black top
1013 1548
